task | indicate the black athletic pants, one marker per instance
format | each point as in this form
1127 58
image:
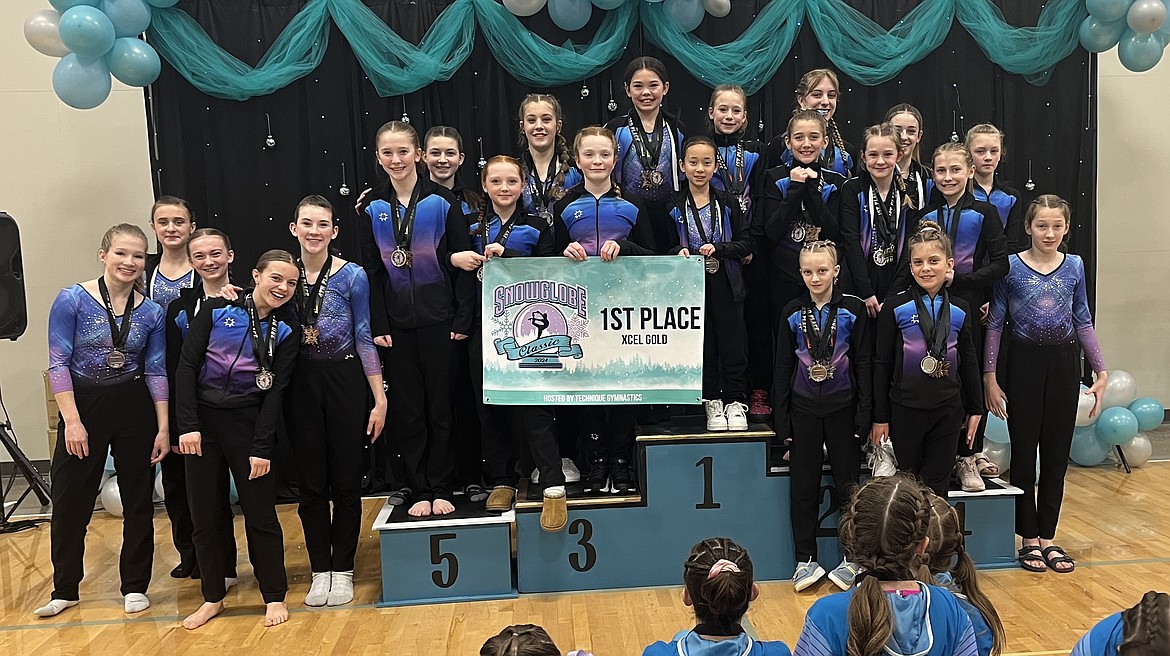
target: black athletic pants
810 435
326 413
782 290
925 442
498 448
1042 387
725 345
609 430
226 445
757 315
174 473
119 418
419 417
536 423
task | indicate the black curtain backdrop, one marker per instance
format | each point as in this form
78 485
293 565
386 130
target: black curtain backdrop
212 152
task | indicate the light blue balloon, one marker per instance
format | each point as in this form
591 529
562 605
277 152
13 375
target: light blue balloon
570 15
65 5
1138 52
1097 35
133 62
162 4
687 13
109 462
1087 450
87 31
81 84
1108 10
130 17
608 4
997 430
1149 413
1116 426
233 494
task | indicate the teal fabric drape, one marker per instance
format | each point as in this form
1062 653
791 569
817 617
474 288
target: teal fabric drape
855 44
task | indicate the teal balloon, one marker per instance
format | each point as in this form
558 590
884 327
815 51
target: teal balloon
87 31
570 15
233 494
162 4
130 17
1149 413
1108 10
1097 35
133 62
687 13
81 84
997 430
109 463
65 5
609 4
1116 426
1087 450
1137 52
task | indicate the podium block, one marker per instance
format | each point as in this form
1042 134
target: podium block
436 560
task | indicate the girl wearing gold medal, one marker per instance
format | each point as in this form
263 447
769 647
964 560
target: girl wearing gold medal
107 371
823 400
327 410
927 392
236 362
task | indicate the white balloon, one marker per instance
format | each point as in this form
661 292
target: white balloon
159 495
1000 454
524 7
1138 450
40 30
112 497
1085 404
1121 389
717 8
1146 16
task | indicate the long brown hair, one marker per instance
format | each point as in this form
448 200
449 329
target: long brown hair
520 640
1145 627
808 82
719 599
881 529
564 157
947 546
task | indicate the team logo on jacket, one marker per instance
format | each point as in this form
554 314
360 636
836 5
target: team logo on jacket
540 331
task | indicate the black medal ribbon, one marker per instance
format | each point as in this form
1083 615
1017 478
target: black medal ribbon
885 216
648 147
265 350
404 225
818 341
733 178
540 191
313 295
949 218
711 263
935 329
118 334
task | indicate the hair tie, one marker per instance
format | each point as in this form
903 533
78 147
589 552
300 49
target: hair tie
925 229
722 565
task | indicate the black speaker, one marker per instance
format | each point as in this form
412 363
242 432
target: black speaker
13 309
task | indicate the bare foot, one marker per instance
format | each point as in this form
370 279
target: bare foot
420 509
202 616
442 507
276 613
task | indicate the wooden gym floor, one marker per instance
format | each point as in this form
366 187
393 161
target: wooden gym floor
1115 525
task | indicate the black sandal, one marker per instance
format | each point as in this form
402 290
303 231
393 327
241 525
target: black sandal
399 497
1053 561
1031 552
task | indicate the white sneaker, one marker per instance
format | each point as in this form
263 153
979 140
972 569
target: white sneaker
572 474
716 419
319 589
807 574
736 414
135 602
845 574
968 475
341 588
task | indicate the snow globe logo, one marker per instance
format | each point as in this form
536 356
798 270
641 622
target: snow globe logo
539 330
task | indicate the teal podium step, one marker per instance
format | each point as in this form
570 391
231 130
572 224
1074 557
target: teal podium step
465 557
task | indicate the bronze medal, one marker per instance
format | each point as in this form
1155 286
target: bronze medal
943 370
116 359
310 335
812 233
264 379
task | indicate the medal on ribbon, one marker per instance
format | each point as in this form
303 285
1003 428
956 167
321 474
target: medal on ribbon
116 359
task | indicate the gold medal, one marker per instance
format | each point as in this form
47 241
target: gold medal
310 335
819 372
929 365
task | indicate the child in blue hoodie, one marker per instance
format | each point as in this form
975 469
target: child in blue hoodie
884 528
1143 630
719 584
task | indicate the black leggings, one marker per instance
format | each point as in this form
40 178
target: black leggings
1041 388
174 473
497 448
810 435
925 442
418 370
119 418
725 345
326 414
226 445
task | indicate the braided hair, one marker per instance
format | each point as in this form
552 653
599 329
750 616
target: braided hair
720 594
881 529
520 640
886 131
946 552
563 154
808 82
1146 626
906 108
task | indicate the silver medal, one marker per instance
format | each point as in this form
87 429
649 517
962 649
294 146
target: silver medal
883 256
929 365
819 372
798 233
711 264
400 257
264 379
479 273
